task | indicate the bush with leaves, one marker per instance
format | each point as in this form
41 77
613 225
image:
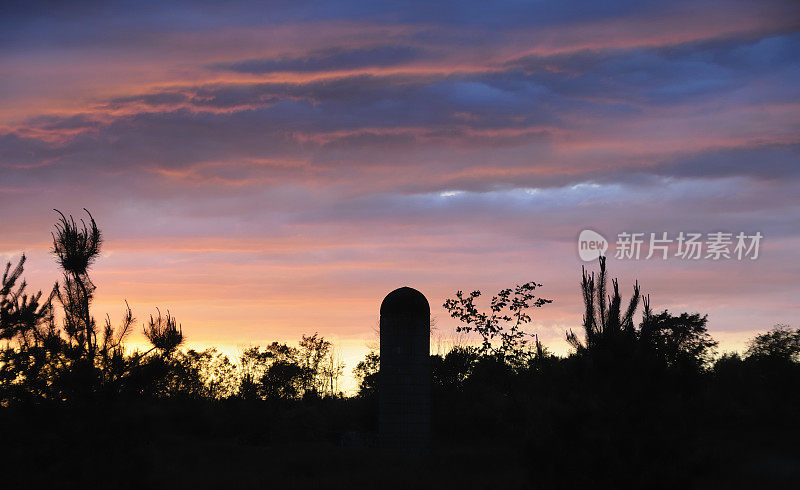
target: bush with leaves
505 320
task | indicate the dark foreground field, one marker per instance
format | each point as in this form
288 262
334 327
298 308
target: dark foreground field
191 445
330 444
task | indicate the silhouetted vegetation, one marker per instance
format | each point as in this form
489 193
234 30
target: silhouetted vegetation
643 400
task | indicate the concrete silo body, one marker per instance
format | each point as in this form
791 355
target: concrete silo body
405 373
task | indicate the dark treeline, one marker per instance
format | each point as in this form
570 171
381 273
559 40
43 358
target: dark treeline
643 400
72 359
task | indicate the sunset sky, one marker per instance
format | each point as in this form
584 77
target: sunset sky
266 170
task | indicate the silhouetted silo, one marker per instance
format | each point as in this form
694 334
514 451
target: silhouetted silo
405 375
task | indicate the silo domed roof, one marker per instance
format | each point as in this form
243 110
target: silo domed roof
405 300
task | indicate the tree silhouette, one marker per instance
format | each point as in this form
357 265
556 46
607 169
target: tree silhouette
368 373
451 371
780 343
20 314
606 328
164 333
281 371
90 363
76 248
507 315
312 353
25 324
283 380
78 360
331 370
677 341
